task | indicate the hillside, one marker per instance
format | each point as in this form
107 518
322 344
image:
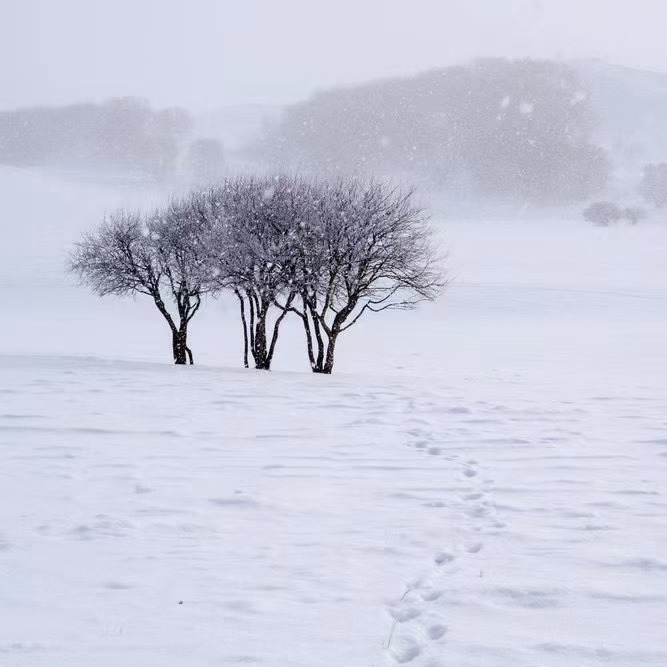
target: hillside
632 106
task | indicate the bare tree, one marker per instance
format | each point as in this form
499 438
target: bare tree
602 213
633 214
367 248
255 223
160 255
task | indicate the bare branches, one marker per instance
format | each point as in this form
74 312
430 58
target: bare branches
371 249
254 249
328 252
117 259
161 255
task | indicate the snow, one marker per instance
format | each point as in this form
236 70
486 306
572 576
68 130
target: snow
482 483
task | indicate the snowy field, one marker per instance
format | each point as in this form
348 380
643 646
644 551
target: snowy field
482 484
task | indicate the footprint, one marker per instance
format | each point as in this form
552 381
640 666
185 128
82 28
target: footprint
434 451
405 652
480 511
431 596
458 411
470 472
474 548
406 614
436 632
443 557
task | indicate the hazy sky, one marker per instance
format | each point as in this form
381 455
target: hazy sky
206 53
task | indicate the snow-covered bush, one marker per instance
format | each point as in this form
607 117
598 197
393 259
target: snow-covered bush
602 213
633 214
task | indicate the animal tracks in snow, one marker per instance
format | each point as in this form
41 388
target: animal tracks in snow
574 490
420 621
451 532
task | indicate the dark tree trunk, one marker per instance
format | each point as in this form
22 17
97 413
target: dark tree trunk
276 330
318 364
321 346
259 351
309 339
180 347
331 349
244 321
326 364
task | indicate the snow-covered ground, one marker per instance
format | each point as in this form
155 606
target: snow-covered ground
483 483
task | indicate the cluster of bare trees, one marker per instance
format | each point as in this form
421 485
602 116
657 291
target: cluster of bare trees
604 213
326 252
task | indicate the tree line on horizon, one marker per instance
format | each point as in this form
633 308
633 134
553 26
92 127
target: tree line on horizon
124 134
653 190
495 128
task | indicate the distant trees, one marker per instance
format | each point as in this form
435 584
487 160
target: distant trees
121 133
327 252
603 213
508 129
633 214
653 186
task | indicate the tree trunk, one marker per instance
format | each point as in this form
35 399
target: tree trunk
309 339
182 353
326 355
244 321
276 330
321 346
179 347
318 365
327 369
259 349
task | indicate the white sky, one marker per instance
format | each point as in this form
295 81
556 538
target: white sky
203 54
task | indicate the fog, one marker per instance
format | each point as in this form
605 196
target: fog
203 54
536 101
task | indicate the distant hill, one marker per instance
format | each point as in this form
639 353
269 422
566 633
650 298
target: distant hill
121 134
487 129
521 128
632 108
494 128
